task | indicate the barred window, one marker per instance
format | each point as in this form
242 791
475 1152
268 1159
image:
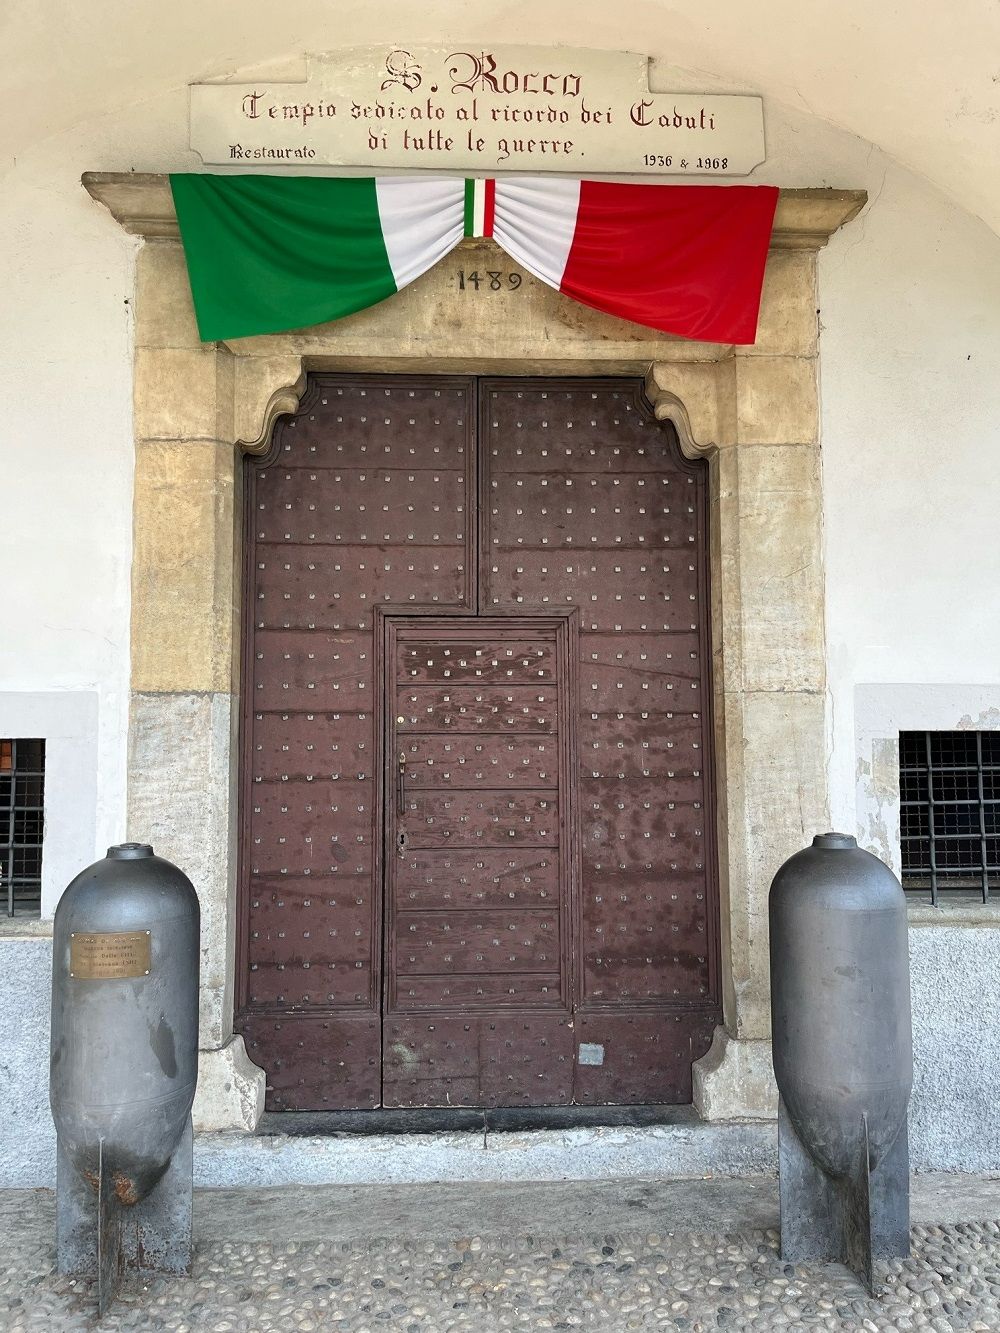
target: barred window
950 813
22 798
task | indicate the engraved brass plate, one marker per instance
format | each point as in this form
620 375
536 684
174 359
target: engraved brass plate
110 954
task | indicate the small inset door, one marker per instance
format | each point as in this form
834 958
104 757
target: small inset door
477 1009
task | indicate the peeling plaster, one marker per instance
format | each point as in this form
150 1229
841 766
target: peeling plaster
988 720
881 713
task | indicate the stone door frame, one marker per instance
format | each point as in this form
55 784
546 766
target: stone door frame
753 412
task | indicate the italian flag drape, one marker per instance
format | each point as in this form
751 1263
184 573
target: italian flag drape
268 253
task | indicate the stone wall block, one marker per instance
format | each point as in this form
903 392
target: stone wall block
788 323
784 804
704 392
180 799
725 555
163 296
735 1080
28 1149
781 568
230 1091
730 839
184 578
777 400
176 393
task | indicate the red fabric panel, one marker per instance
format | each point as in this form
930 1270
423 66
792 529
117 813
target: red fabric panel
687 259
489 205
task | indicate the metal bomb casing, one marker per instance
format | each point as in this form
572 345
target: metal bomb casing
124 1052
840 1001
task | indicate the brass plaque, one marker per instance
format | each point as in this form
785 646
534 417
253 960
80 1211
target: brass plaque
109 955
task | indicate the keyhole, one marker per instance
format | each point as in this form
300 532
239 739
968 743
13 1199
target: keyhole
401 842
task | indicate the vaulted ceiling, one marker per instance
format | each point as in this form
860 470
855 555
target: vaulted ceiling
919 79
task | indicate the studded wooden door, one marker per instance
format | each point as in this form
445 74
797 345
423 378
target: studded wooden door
478 1002
524 911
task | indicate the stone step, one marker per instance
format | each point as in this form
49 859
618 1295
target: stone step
688 1147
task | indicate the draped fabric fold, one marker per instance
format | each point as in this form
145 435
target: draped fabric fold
270 253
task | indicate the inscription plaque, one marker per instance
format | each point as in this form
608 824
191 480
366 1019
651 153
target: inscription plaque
489 109
107 955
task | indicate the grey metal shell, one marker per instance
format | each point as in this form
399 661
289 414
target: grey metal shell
840 997
124 1051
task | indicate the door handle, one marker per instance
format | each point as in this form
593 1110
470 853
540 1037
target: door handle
401 784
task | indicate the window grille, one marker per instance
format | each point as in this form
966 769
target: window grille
22 797
950 813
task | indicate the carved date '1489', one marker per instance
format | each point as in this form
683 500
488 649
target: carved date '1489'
491 281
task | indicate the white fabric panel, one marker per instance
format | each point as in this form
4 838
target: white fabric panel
535 221
421 221
478 206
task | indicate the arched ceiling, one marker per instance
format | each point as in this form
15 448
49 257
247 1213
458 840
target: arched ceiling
919 79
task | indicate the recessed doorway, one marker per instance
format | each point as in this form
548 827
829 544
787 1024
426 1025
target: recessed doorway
478 860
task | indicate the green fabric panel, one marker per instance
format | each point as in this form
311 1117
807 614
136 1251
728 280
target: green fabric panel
470 204
268 253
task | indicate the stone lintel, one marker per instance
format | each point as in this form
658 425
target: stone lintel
141 203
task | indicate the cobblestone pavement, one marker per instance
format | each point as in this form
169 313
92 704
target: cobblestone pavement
694 1282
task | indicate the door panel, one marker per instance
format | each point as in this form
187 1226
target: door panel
469 762
363 506
482 708
366 500
587 503
506 1059
481 819
484 877
533 990
338 588
480 941
472 660
478 876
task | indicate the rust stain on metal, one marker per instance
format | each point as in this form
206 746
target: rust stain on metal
125 1190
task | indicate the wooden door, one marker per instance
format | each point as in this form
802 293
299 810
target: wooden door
366 500
588 505
478 998
546 932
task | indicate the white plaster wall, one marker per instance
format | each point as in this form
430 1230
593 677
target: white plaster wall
911 441
65 500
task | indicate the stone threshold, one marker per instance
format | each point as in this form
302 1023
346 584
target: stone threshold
445 1119
684 1149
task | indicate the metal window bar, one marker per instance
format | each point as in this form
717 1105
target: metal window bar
983 852
22 800
950 813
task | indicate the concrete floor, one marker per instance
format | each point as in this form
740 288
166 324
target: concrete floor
442 1211
354 1213
351 1213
